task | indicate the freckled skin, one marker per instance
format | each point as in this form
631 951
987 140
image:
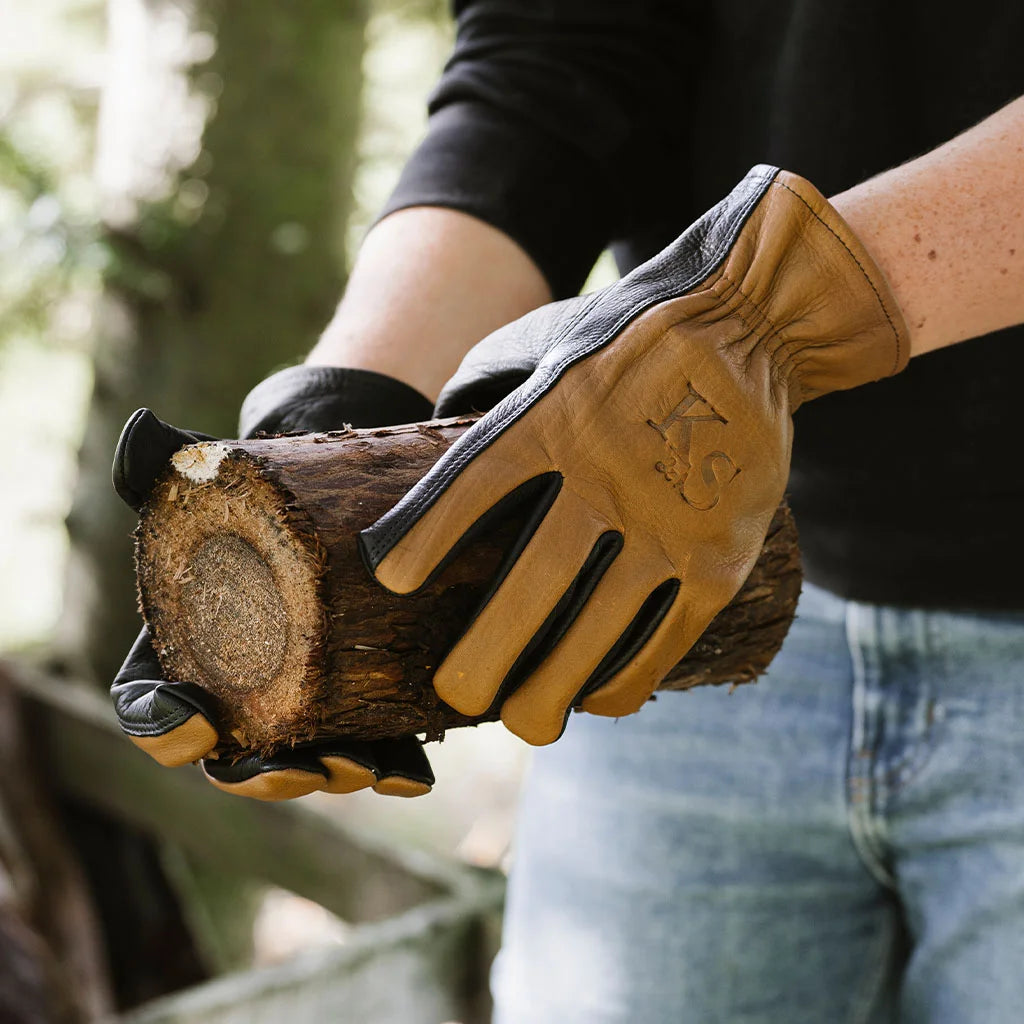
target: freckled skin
941 227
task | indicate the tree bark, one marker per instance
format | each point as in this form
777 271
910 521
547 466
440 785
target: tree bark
251 579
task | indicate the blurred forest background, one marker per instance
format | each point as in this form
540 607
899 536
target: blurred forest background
182 186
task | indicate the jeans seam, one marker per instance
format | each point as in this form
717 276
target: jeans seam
864 1005
918 753
860 783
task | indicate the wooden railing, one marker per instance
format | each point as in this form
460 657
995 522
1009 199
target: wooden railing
427 927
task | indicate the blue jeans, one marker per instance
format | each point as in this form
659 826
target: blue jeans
842 842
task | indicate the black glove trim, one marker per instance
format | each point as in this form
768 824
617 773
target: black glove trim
141 695
145 445
252 765
403 757
484 395
329 398
154 707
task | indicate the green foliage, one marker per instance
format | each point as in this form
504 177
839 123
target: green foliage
49 250
50 258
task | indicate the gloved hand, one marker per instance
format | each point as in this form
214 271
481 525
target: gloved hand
174 721
650 443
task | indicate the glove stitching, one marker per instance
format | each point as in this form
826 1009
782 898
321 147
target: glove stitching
867 276
166 724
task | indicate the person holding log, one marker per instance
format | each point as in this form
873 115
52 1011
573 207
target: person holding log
846 840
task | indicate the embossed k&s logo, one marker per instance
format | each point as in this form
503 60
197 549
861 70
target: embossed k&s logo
677 431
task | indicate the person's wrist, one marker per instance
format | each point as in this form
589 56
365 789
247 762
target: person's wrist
427 285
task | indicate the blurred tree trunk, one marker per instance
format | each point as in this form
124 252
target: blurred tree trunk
225 155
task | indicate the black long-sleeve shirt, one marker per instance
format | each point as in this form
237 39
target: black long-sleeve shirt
572 125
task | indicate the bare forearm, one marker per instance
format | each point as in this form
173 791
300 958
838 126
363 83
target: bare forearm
428 284
948 231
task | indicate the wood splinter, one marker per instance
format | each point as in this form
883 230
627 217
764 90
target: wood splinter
251 581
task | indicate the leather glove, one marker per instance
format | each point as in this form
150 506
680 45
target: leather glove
650 445
174 721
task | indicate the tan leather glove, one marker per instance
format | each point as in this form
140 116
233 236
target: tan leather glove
652 444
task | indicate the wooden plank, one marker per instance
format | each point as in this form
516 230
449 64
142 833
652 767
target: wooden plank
49 930
348 871
427 966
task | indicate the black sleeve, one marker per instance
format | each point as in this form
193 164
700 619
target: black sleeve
553 121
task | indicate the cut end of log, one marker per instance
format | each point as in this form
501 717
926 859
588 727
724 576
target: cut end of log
231 583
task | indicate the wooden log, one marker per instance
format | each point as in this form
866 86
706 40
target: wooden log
251 580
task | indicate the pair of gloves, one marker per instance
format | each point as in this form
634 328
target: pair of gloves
647 427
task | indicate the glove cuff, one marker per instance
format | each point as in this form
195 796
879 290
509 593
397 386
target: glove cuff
329 398
804 284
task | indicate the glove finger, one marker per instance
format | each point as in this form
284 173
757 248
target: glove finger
350 765
142 661
645 655
390 767
511 623
145 445
538 710
282 777
169 721
403 768
172 722
458 498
